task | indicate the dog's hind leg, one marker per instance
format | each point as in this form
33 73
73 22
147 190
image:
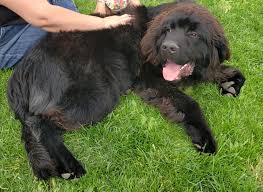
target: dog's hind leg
47 154
46 151
180 108
42 164
77 107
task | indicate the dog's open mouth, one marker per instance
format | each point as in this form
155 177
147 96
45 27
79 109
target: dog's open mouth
174 72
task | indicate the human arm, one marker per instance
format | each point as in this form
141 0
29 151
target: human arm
41 13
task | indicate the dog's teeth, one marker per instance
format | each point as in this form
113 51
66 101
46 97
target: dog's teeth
65 175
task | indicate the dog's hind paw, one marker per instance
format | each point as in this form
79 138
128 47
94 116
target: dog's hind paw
71 170
78 172
44 170
66 167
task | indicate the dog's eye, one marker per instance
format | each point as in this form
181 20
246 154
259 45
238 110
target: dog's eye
193 34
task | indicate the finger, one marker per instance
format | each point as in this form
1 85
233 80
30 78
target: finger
128 19
128 16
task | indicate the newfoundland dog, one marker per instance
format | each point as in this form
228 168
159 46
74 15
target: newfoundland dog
76 78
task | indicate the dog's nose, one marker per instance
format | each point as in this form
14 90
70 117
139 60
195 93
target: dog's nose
170 46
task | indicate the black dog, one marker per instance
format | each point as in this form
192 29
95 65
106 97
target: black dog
184 44
76 78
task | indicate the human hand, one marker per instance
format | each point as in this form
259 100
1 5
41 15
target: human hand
114 21
135 2
101 8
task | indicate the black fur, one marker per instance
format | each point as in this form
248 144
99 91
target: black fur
185 33
71 79
76 78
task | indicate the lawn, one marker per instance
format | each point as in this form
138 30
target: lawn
136 149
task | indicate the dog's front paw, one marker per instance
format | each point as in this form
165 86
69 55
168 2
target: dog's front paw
206 146
202 138
232 86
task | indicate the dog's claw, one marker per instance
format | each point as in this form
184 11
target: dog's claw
228 89
228 84
229 95
232 90
198 146
66 175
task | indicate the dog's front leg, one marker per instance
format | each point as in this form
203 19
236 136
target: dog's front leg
180 108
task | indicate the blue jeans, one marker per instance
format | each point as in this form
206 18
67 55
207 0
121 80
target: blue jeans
16 40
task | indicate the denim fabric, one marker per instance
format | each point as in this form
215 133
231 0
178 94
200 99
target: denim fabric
16 40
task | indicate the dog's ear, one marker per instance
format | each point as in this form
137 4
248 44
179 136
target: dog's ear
149 42
148 46
222 46
218 38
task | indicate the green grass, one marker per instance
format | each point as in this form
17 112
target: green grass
136 149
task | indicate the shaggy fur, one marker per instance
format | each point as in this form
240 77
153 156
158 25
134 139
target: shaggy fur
76 78
68 80
186 34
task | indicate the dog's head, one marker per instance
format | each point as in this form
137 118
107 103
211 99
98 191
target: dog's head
184 38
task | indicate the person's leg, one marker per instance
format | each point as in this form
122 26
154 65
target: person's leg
16 40
103 9
68 4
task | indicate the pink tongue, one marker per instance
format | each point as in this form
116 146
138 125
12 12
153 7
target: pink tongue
171 71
